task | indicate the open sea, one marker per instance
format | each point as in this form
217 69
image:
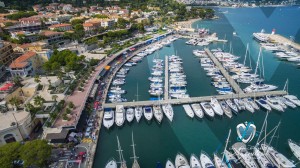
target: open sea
158 142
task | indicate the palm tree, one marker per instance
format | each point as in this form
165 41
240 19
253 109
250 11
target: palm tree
14 101
37 79
38 101
54 97
17 81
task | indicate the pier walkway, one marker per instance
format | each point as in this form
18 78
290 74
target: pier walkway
194 99
166 93
283 40
231 81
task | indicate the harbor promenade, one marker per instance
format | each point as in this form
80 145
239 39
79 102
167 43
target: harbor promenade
231 81
194 99
276 38
166 93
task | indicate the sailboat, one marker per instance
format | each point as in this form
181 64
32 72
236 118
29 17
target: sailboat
181 161
111 163
205 160
194 162
295 148
243 155
138 111
135 162
169 164
120 151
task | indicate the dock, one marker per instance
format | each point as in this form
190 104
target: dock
276 38
231 81
194 99
166 93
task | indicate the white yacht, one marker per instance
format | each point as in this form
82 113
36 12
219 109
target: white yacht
194 161
111 164
252 103
129 114
232 160
207 109
138 112
197 110
295 148
148 113
226 109
232 106
287 102
248 106
108 117
219 162
262 159
120 115
277 158
259 87
240 104
188 110
181 161
169 164
293 99
243 155
158 114
168 111
205 160
274 104
216 106
263 104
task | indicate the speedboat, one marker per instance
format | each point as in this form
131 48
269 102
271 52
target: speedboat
295 148
277 158
283 105
207 109
287 102
274 104
219 162
129 114
232 160
168 111
158 114
120 115
293 99
216 106
259 87
108 117
188 110
148 113
263 104
181 161
243 155
111 163
194 161
169 164
232 106
205 160
226 109
197 110
262 159
138 112
248 105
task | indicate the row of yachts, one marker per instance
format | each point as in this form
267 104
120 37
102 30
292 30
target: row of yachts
177 78
120 114
264 156
156 84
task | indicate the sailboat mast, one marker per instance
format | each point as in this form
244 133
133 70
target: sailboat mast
119 150
133 147
246 53
263 126
257 62
286 86
227 140
137 91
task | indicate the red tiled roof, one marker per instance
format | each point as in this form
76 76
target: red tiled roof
50 33
22 61
59 25
88 25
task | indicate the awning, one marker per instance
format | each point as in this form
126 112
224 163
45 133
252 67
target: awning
107 67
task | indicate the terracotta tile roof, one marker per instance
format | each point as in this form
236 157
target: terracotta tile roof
22 61
50 33
59 25
88 25
26 45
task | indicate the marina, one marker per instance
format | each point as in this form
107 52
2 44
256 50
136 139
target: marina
183 128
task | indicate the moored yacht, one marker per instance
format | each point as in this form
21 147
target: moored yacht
169 164
226 109
129 114
148 113
111 163
158 114
197 110
194 161
262 159
108 117
120 115
259 87
138 112
293 99
243 155
277 158
216 106
188 110
239 103
274 104
295 148
181 161
232 160
168 111
232 106
219 163
205 160
207 109
248 106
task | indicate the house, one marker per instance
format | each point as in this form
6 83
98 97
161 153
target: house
107 22
67 7
52 36
23 65
37 8
7 54
61 27
90 28
30 20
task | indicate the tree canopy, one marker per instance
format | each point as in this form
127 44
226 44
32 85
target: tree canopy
20 15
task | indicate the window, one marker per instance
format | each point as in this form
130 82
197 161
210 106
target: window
9 138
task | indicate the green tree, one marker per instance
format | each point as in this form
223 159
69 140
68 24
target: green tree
15 102
35 153
37 79
17 81
78 31
29 107
71 105
38 101
8 153
54 98
76 21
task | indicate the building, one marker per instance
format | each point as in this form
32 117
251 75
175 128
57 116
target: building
6 53
24 65
53 37
61 27
2 70
32 27
91 27
30 20
37 8
107 22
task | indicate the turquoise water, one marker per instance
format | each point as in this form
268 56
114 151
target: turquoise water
159 142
